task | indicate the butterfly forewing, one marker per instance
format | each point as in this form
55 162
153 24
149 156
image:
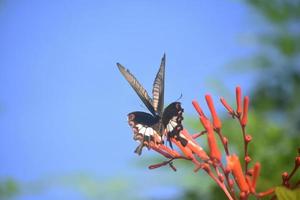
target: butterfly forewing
138 88
158 88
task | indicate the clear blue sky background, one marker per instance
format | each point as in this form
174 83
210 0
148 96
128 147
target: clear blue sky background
64 103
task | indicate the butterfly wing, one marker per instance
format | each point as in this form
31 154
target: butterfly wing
158 88
144 127
172 118
138 88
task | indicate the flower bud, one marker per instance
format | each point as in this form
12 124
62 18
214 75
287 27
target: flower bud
297 161
284 175
225 140
248 138
245 111
247 159
243 195
233 163
221 177
216 121
239 100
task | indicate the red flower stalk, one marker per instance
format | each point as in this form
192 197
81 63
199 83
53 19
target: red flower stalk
266 193
225 104
216 121
238 100
234 165
161 164
245 111
167 162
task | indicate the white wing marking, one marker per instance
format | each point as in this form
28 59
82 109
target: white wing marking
142 130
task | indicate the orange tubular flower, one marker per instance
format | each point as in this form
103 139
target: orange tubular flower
245 111
186 151
194 146
216 121
256 172
211 140
238 100
234 165
214 151
163 150
168 150
198 109
225 104
165 154
248 180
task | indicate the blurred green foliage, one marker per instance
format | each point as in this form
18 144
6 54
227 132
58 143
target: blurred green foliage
8 188
285 194
276 95
85 185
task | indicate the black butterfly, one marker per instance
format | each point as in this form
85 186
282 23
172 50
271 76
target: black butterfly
153 127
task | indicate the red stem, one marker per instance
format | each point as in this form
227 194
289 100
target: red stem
196 135
245 148
231 189
222 185
293 172
225 143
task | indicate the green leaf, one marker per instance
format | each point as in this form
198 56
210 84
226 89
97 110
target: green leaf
283 193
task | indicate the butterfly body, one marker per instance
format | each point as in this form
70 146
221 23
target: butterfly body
161 122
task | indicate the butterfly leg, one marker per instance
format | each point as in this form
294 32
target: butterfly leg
169 141
138 149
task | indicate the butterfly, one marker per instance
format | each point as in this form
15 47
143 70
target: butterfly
160 122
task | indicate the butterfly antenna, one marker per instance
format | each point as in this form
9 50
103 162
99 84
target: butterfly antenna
180 97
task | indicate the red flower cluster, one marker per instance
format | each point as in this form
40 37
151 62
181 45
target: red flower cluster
211 162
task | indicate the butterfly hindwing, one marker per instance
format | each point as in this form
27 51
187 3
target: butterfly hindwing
138 88
171 119
144 129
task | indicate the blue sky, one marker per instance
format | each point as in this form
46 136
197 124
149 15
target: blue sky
64 103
